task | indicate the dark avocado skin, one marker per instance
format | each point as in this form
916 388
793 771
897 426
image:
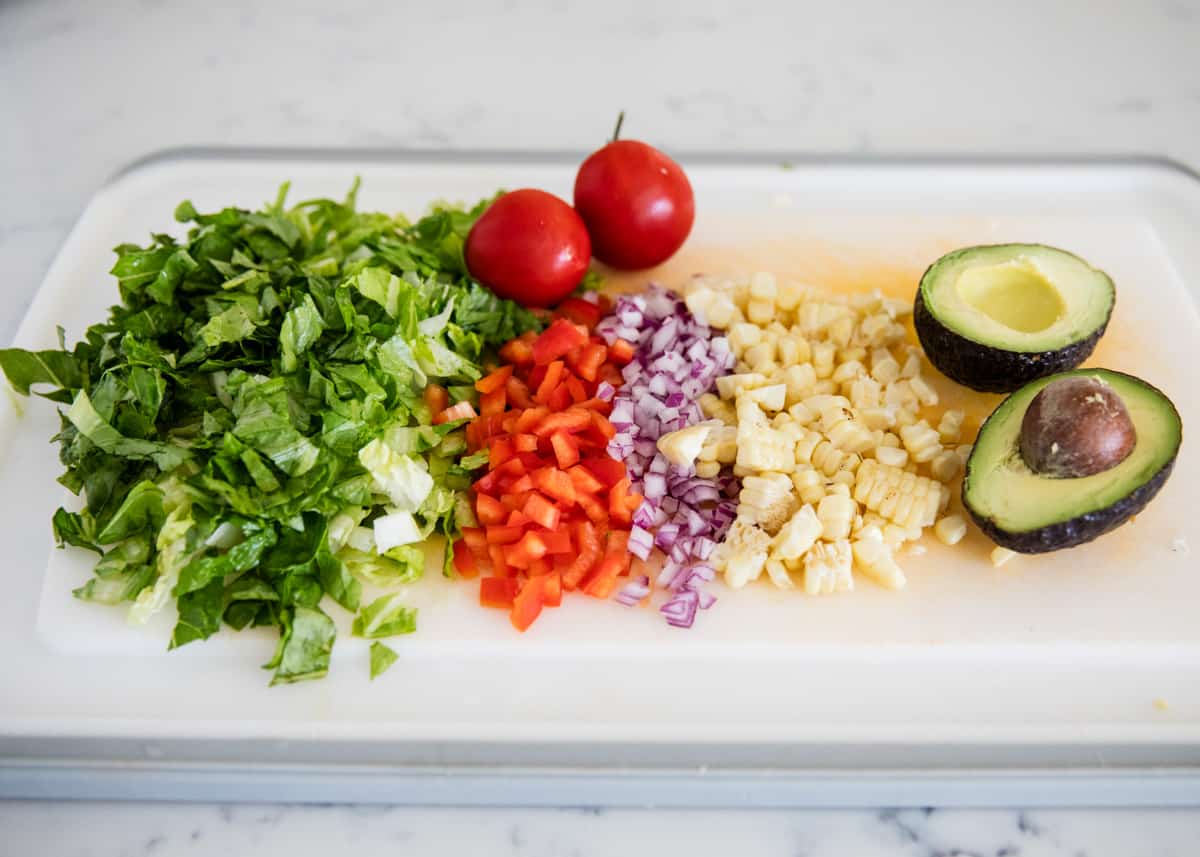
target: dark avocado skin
988 369
1079 530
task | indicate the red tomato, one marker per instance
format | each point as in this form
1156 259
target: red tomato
530 247
637 204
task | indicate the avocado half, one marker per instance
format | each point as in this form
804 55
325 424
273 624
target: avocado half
1029 512
995 317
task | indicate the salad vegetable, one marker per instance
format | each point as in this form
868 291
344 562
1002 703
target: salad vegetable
636 201
660 434
273 414
555 509
530 246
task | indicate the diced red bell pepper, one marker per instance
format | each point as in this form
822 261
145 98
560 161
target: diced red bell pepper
621 352
617 543
555 484
500 450
566 449
598 405
607 470
436 398
552 594
489 510
489 484
541 511
497 592
588 544
464 560
518 393
580 311
556 340
501 534
522 485
519 351
495 381
603 426
569 421
584 481
549 382
500 567
513 467
596 511
525 442
603 579
529 548
476 539
460 411
529 418
558 542
517 518
527 606
493 403
515 501
618 502
610 373
559 398
576 389
590 362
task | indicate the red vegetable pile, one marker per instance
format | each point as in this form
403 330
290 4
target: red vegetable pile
555 509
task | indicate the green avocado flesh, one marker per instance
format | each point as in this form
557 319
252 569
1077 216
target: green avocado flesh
1030 512
995 317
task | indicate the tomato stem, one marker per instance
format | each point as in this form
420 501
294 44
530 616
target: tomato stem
617 130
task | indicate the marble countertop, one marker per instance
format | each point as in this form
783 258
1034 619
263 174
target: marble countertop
87 87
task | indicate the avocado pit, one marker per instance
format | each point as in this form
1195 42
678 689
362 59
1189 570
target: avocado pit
1076 426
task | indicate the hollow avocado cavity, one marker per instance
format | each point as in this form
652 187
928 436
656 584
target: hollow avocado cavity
1015 294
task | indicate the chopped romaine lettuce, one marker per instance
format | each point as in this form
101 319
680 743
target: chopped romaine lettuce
247 430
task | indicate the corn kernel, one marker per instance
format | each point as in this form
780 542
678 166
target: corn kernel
760 312
925 394
789 295
744 335
950 530
891 456
945 466
848 372
950 426
1000 555
708 469
822 359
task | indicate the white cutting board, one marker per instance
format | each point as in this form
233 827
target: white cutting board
1061 659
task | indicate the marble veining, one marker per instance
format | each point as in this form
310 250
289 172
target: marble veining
86 87
108 830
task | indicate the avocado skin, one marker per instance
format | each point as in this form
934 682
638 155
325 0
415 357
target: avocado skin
988 369
1078 530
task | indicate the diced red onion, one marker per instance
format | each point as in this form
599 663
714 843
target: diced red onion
634 591
641 542
680 610
666 536
676 361
605 391
654 486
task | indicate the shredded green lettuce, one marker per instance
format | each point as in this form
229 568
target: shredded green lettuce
382 659
253 405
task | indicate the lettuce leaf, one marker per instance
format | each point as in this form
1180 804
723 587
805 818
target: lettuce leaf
386 616
382 659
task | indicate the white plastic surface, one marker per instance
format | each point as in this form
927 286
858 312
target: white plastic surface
1057 661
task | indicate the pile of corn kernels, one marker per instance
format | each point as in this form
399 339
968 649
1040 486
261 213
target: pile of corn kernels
833 431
